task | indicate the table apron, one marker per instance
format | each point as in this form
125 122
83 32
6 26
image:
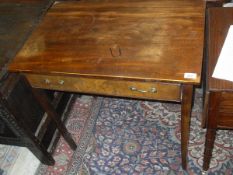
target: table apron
110 87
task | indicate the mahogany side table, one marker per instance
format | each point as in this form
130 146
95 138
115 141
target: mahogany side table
138 49
218 107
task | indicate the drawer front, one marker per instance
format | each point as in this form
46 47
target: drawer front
226 102
225 112
121 88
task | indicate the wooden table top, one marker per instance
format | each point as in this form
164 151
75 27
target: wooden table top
218 29
139 40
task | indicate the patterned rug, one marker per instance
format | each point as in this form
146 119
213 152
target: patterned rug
137 137
8 156
81 120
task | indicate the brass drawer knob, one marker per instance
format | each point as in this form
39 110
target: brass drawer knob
47 81
151 90
61 82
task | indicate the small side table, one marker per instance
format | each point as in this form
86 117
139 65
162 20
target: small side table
218 107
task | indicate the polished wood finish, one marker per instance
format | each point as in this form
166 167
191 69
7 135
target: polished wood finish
218 108
138 49
186 105
49 109
139 40
215 42
211 128
120 88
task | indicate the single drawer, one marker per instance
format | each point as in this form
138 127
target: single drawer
111 87
226 103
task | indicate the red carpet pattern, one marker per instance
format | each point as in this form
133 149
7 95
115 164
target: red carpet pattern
81 119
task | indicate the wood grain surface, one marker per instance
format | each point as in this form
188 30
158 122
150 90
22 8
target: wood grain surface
149 40
216 38
120 88
218 108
